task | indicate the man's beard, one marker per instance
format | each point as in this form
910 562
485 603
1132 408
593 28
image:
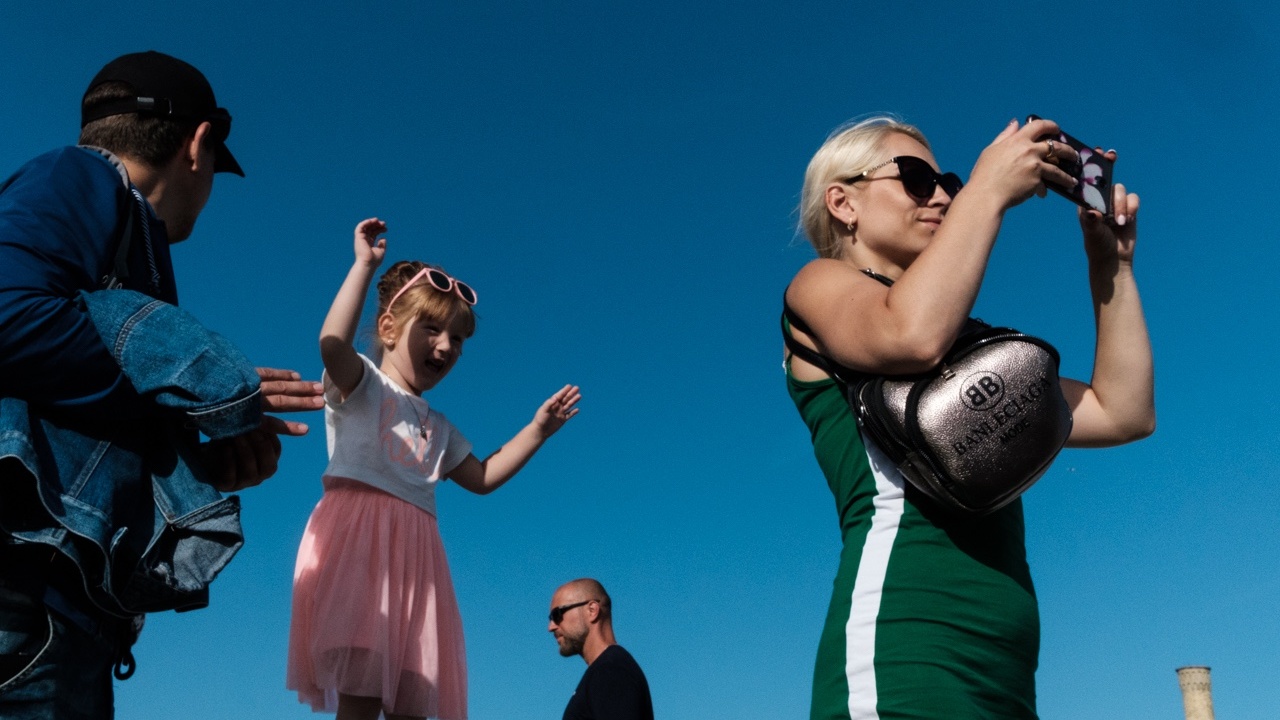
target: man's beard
571 645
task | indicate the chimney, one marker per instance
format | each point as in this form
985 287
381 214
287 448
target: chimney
1197 698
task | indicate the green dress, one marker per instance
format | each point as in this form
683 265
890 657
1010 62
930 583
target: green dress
930 617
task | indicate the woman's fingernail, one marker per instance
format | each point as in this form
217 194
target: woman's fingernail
1120 218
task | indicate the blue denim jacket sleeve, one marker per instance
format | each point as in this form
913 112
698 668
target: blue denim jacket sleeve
172 359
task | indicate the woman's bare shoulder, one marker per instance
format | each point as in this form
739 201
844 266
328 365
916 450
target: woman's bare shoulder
822 273
822 280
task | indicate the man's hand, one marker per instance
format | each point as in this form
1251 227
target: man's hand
246 460
286 391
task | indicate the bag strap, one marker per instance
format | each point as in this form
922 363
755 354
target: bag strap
120 270
128 204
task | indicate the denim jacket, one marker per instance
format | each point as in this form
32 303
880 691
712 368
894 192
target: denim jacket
129 501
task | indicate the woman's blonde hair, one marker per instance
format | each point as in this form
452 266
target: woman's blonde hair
422 300
851 149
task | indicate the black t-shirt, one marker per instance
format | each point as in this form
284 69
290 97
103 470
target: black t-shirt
612 688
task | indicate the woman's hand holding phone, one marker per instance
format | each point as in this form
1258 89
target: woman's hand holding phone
1091 169
1013 168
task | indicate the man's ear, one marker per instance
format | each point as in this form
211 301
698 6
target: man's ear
191 150
840 205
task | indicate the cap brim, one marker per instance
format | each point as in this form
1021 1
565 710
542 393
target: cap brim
224 161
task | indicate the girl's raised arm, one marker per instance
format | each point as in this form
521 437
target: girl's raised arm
483 477
337 335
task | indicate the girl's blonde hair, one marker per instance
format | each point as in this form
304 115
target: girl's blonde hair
423 300
850 150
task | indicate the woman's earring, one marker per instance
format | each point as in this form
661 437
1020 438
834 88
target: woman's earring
850 226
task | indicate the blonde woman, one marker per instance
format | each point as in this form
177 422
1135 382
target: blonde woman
935 616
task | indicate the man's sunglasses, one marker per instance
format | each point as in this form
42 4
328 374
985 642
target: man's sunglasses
557 613
918 178
441 281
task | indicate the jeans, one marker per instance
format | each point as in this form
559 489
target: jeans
51 668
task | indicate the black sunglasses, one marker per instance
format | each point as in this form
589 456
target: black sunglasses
918 178
557 613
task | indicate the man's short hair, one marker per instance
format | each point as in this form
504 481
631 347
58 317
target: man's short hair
595 591
151 139
151 103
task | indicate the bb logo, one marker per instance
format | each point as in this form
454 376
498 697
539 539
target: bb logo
982 391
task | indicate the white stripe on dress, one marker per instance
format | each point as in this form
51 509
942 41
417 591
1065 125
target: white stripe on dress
860 630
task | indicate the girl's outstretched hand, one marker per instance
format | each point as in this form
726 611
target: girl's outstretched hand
557 410
370 249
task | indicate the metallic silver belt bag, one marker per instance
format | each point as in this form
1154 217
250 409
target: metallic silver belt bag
973 433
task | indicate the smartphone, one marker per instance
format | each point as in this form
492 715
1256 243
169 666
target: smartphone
1093 173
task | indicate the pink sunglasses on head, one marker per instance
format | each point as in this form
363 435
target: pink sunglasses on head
440 281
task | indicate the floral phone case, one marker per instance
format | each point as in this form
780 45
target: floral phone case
1093 173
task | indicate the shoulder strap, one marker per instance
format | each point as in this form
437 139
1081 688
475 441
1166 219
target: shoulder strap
887 282
791 319
840 373
120 268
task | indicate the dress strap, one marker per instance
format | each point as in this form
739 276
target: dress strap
887 282
790 319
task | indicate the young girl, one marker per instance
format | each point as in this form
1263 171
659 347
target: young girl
375 622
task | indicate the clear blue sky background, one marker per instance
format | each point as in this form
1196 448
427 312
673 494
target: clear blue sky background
618 183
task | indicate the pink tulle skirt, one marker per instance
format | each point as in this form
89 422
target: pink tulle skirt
374 614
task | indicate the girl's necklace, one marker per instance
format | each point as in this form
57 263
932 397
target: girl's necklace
422 423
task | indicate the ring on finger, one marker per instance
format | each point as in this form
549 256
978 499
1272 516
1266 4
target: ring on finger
1048 155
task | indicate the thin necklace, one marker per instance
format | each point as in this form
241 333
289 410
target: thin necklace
422 424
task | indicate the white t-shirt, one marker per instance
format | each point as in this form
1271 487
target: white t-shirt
386 437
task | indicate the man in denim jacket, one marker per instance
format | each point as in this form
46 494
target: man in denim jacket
107 500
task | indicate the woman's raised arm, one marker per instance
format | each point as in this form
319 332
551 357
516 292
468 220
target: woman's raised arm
1118 403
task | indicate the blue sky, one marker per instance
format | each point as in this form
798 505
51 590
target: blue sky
618 184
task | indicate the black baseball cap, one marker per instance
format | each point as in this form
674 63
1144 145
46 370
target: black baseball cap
164 86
